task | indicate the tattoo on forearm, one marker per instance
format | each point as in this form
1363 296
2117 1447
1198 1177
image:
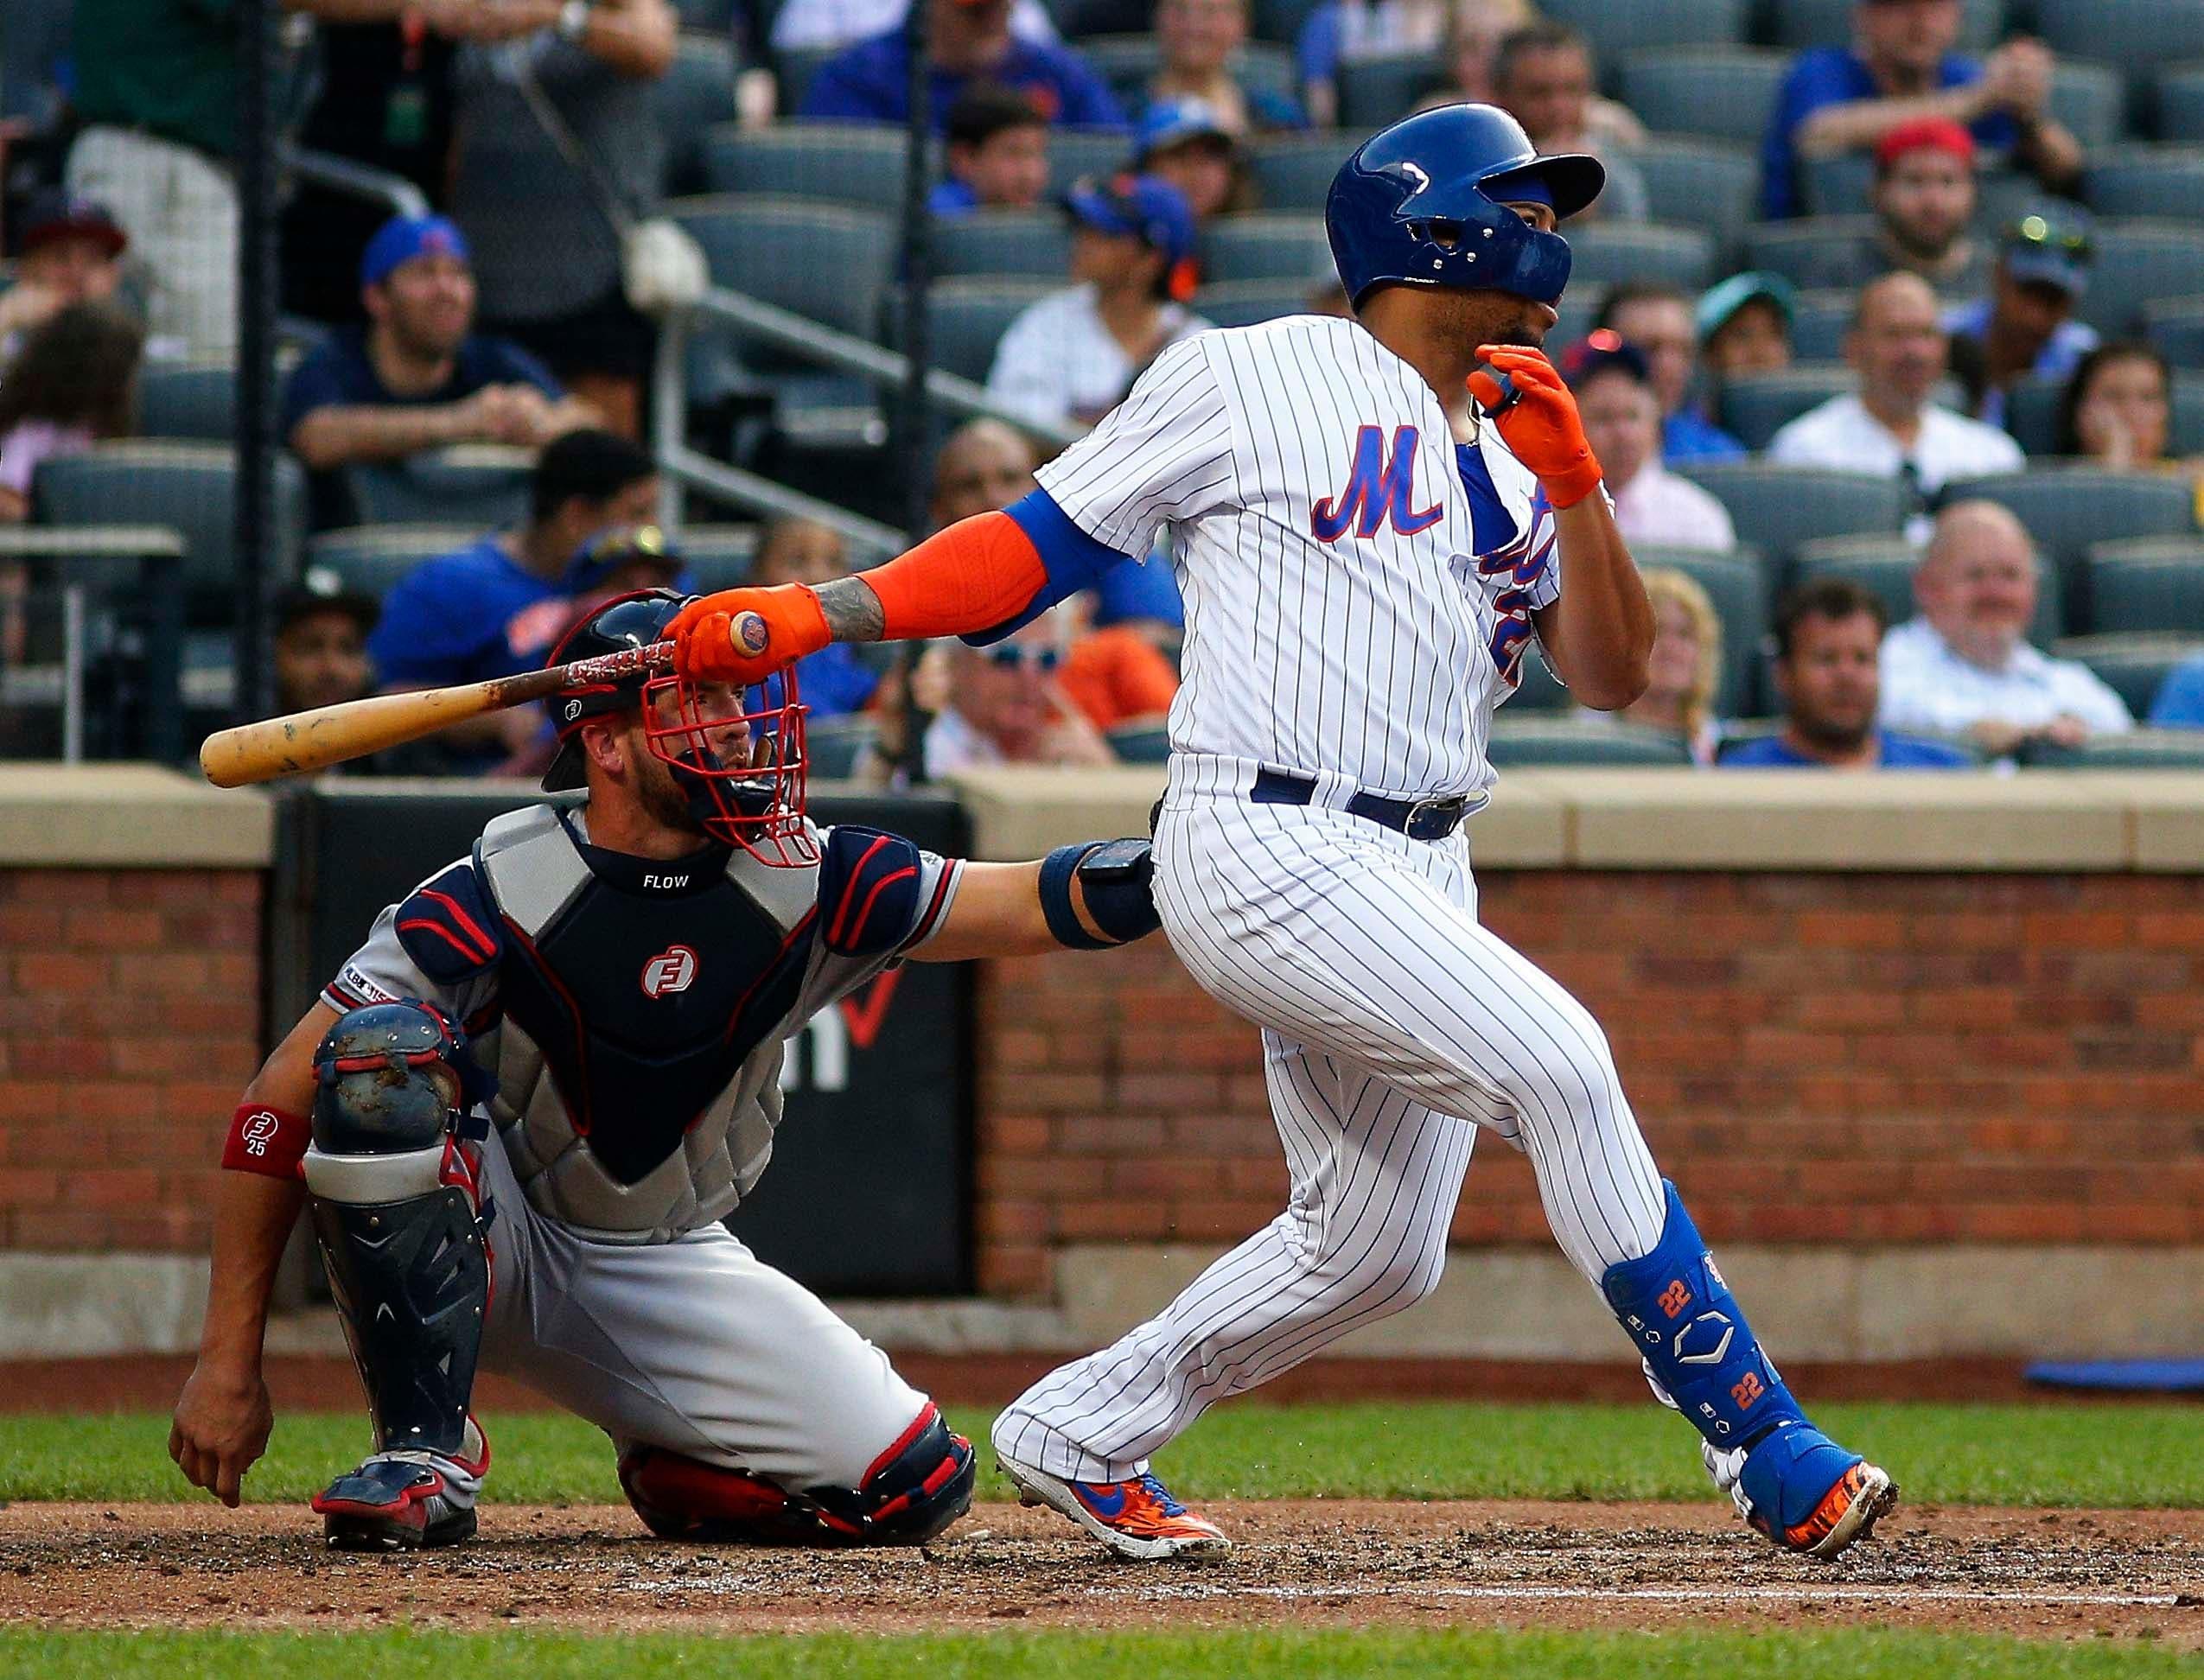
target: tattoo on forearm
853 611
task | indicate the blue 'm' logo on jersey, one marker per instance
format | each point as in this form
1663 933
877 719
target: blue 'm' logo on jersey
1377 489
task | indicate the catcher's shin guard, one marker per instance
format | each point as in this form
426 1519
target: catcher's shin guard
395 1211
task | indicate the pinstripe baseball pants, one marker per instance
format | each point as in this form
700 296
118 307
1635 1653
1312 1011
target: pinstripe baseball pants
1393 1026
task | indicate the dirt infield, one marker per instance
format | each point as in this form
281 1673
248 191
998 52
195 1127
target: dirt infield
2063 1574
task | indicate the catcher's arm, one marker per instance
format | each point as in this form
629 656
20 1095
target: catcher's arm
1090 896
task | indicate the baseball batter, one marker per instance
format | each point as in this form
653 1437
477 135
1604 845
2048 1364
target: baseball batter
522 1107
1369 519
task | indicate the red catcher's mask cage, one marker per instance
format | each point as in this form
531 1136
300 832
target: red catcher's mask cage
740 758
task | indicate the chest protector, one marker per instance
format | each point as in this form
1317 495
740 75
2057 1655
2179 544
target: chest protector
644 1008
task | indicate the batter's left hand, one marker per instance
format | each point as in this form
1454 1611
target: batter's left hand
1542 426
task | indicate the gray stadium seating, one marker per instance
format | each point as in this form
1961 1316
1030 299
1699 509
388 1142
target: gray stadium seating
368 559
2146 583
477 484
1884 566
1820 323
697 91
2089 98
191 400
2137 260
1244 302
1617 26
2146 181
1264 246
1608 252
2032 414
1776 508
1539 692
1295 171
1829 23
719 556
1526 742
1074 153
1714 182
1128 62
1737 585
2134 665
832 745
2067 508
1281 20
967 317
1373 92
853 163
826 261
1004 242
794 71
2180 102
1717 92
2140 750
1143 744
706 16
1755 407
1837 186
2175 325
2137 35
1805 251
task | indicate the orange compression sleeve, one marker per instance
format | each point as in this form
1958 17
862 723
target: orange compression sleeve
979 572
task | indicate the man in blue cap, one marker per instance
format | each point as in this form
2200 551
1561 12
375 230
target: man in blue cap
1186 143
417 376
1069 358
2024 327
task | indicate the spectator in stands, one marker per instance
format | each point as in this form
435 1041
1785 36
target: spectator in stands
619 562
1184 141
1542 74
1115 675
818 26
321 630
2180 702
1964 665
2025 325
1657 320
984 466
1474 30
1005 705
1684 669
1070 357
69 252
1828 646
1340 32
74 383
1924 199
1901 67
1889 427
836 680
1622 424
491 609
417 377
1744 327
967 41
1197 39
560 151
998 153
2118 411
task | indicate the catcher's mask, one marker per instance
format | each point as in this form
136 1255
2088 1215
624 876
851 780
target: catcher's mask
737 756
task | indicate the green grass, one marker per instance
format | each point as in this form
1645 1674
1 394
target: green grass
2037 1455
1221 1655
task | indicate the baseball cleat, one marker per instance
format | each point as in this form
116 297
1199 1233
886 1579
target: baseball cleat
403 1501
1809 1495
1137 1518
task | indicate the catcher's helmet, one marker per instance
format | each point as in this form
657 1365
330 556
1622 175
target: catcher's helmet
757 804
1423 203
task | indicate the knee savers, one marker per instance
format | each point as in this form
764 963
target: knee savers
397 1224
914 1491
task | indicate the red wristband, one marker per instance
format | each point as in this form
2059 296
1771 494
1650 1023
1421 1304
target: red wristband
265 1140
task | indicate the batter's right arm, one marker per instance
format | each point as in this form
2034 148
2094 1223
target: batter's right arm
223 1416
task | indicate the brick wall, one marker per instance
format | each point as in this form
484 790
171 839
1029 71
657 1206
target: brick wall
129 1021
1892 1058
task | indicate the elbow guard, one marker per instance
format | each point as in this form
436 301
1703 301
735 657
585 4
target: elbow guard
1115 877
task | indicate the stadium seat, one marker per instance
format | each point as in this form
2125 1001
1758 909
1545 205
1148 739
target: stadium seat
1620 27
1808 252
1714 184
368 559
2146 583
793 72
2032 414
855 164
1294 171
2067 508
826 261
2146 181
1140 743
189 488
1821 322
1755 407
196 400
1737 585
1373 92
2090 100
2175 325
1884 566
696 94
967 318
2180 102
1244 302
1837 186
718 556
2137 260
1717 92
1129 62
706 16
1829 23
1538 691
1077 153
2138 749
1262 247
1522 743
1004 242
833 745
2138 35
1775 508
1282 21
1608 253
483 485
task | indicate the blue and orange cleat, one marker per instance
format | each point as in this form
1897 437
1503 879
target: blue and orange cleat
1804 1492
1137 1518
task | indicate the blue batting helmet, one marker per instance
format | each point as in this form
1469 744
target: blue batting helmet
1423 203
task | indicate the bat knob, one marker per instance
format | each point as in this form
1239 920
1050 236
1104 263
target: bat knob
748 634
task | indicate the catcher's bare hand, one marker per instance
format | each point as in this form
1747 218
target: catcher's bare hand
220 1428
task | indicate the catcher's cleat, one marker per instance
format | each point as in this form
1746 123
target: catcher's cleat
1137 1518
1804 1492
403 1501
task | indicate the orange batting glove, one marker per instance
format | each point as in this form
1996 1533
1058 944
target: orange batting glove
741 637
1541 423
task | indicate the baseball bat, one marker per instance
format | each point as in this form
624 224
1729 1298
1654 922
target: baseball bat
301 742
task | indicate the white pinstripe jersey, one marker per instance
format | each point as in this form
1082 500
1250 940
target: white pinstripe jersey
1357 599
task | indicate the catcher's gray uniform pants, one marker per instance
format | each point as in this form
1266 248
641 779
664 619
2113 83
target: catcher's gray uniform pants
695 1345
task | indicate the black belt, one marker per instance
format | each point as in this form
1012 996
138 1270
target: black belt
1419 819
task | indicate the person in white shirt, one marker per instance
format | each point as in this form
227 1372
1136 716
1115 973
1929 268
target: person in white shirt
1964 665
1005 705
1069 358
1622 424
1890 428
